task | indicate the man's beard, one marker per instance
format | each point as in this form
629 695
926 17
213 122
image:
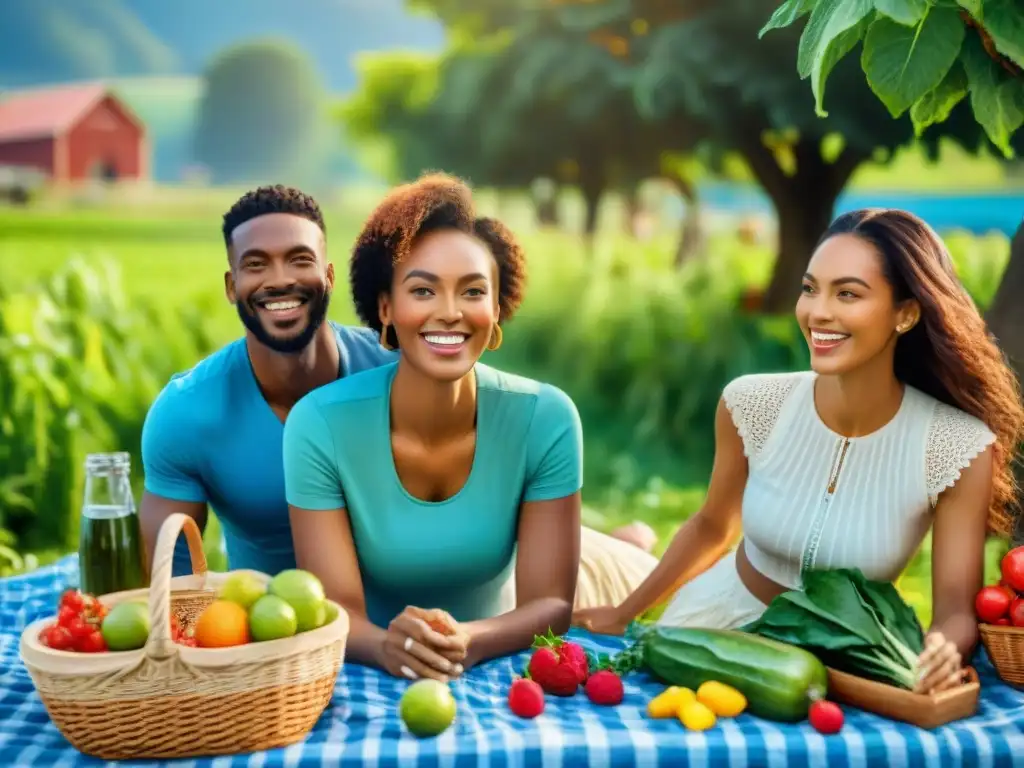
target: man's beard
318 303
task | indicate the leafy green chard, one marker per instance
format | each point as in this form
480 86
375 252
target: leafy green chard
851 623
921 57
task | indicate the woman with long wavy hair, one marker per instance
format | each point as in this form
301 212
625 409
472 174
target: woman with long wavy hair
908 420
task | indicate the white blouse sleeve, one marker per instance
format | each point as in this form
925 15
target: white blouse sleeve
955 438
755 402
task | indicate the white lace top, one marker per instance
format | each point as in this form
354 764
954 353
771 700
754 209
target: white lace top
883 495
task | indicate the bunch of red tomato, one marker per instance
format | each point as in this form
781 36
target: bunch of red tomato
1002 603
181 636
79 618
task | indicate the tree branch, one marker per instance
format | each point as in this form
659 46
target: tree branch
843 167
761 161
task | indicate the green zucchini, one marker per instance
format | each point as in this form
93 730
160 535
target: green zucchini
779 681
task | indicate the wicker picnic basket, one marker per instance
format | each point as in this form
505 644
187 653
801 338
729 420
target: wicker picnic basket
171 701
1005 647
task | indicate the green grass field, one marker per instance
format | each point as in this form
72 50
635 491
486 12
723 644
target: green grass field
616 328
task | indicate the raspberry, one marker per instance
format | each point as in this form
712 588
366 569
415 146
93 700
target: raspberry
526 698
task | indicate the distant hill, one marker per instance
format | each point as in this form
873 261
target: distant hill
45 41
168 106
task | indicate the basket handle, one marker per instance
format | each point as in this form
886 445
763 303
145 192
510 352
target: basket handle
160 645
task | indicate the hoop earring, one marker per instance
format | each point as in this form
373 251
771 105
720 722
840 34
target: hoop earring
384 338
495 341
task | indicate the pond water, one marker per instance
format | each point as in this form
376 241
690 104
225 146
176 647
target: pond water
979 213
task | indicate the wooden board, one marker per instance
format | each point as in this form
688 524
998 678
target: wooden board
924 711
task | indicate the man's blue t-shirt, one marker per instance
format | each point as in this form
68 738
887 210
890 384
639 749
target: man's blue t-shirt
210 436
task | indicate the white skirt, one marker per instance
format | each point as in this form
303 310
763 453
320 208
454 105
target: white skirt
717 599
610 570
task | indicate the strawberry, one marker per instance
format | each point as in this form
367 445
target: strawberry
560 681
605 687
542 664
526 698
574 655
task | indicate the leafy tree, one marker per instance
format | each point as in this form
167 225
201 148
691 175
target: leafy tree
700 61
938 61
261 114
447 112
506 110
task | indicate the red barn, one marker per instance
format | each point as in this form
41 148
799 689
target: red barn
73 133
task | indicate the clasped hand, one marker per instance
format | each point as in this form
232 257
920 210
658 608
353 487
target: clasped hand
939 666
424 643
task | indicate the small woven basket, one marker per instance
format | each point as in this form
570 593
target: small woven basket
171 701
1005 646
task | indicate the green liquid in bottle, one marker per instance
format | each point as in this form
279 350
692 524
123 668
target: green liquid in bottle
110 551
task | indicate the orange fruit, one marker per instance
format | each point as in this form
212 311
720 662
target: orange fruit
221 625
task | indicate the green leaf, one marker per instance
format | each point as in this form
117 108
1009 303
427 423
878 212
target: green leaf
786 14
908 12
997 99
893 614
841 45
973 7
828 20
1004 21
936 105
903 63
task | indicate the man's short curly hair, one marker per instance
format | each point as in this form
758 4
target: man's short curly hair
435 201
271 199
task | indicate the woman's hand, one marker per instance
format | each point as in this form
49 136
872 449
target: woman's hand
413 650
604 620
939 665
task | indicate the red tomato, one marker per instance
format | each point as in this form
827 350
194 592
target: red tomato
992 603
44 634
79 628
826 717
1016 613
1003 622
58 638
92 643
74 599
66 615
1013 569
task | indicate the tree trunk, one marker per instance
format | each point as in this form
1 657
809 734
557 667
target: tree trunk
592 182
1006 315
546 210
803 204
1005 318
802 219
691 235
631 209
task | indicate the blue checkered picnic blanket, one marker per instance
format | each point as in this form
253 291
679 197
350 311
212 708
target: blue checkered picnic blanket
362 727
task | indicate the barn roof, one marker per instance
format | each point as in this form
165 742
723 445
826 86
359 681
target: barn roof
45 112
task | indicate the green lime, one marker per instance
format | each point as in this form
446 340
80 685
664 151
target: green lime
242 588
330 612
297 585
126 626
310 614
271 618
303 592
427 708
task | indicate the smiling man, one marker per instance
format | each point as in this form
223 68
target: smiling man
213 436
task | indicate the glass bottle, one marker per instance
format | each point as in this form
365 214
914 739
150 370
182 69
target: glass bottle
111 557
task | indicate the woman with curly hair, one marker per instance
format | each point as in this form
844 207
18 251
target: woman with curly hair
437 498
908 421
